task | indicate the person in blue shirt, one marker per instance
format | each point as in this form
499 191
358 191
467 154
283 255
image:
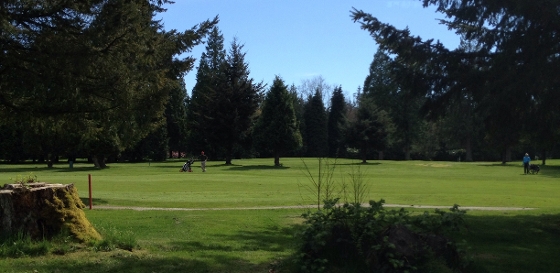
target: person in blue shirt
526 161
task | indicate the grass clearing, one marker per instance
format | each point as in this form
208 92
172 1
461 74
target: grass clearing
250 240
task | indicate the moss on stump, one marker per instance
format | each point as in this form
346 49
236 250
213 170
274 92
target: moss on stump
43 210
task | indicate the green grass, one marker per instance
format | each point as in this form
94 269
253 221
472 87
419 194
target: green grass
250 240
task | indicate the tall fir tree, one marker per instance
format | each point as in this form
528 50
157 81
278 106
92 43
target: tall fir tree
176 118
277 129
235 104
337 124
401 104
368 132
201 105
315 118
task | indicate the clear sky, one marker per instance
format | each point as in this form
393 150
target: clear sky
303 39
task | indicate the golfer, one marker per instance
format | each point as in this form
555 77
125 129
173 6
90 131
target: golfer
203 159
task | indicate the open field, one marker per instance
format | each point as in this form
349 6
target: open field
237 239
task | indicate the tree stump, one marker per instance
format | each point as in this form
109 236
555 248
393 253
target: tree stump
43 210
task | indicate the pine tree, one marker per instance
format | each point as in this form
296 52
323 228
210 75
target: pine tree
235 103
401 104
176 118
201 107
337 124
368 132
102 69
277 129
315 117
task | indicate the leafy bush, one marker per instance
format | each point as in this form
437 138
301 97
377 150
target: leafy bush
352 238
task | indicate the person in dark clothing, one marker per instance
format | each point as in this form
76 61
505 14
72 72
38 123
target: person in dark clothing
203 159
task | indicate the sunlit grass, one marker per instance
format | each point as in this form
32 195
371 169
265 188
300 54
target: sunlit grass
241 240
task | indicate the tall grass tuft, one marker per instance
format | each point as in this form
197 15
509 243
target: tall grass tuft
115 239
21 245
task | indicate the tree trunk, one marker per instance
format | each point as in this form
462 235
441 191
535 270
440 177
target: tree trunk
380 155
363 151
508 154
468 148
99 161
43 210
406 153
228 160
276 160
543 154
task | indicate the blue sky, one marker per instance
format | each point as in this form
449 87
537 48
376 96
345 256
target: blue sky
303 39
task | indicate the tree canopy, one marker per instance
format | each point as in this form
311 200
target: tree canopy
105 67
508 76
277 128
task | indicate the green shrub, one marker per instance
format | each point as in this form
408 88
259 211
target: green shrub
371 239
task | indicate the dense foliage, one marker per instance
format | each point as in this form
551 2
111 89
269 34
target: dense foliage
102 79
276 130
508 72
372 239
95 75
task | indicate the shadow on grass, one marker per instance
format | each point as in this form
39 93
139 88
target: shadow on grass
257 167
94 201
359 164
130 262
56 168
521 243
269 240
229 255
497 243
546 170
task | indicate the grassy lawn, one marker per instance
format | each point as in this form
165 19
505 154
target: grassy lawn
235 239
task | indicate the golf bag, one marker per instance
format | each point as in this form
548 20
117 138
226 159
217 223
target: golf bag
187 166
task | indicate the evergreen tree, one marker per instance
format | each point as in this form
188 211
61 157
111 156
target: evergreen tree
104 67
201 107
315 118
277 129
153 147
176 118
508 75
392 96
337 124
368 132
235 103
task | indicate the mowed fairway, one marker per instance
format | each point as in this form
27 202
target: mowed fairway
256 183
240 238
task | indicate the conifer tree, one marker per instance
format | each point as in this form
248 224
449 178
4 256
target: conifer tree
277 127
201 107
100 69
510 76
176 118
337 124
235 103
315 118
368 132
